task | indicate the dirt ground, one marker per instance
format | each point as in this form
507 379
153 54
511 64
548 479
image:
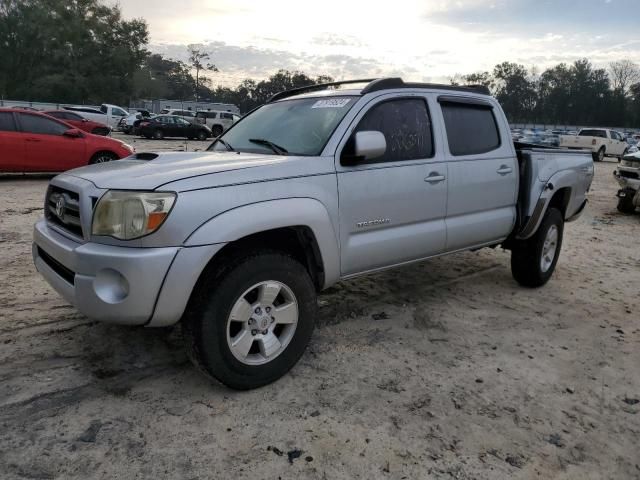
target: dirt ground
447 369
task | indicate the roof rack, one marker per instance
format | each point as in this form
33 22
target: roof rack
378 84
317 86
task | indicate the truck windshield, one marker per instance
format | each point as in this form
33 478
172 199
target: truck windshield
296 127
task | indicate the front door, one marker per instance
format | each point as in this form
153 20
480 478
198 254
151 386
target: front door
47 148
483 174
392 208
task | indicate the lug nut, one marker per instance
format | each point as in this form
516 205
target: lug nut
268 309
258 311
264 332
254 332
250 322
273 319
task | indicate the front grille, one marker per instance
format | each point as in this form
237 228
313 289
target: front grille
63 209
57 267
626 174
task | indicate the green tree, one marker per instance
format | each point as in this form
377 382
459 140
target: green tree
198 61
69 51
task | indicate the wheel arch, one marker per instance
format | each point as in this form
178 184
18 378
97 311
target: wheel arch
299 226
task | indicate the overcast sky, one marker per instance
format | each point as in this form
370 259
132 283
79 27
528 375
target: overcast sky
427 40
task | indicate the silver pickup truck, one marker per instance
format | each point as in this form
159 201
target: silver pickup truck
318 185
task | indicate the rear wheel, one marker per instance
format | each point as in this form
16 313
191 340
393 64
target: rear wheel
202 135
217 130
100 131
534 260
158 135
248 323
599 155
625 203
624 154
103 157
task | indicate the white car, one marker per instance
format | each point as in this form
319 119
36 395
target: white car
127 124
217 121
106 113
188 115
601 141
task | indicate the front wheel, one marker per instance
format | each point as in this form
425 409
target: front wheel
158 135
625 203
217 130
248 323
534 260
103 157
202 135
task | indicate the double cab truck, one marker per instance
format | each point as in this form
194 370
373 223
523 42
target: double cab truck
600 141
319 185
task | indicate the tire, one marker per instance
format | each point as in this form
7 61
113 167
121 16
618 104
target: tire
100 131
532 264
202 135
217 130
209 330
158 135
624 154
599 155
103 157
625 204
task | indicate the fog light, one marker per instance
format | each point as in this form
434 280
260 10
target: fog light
111 286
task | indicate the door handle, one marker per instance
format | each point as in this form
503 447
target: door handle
504 170
435 177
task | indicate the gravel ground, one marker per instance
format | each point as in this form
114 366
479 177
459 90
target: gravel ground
446 369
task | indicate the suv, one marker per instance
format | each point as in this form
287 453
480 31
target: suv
628 177
217 121
320 184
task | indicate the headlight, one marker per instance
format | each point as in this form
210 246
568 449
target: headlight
129 215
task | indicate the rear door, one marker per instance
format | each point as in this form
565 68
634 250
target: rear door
47 148
12 145
392 208
483 175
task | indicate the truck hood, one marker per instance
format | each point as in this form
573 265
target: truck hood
184 171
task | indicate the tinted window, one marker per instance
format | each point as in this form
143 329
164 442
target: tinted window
6 122
41 125
228 116
406 127
119 112
181 121
471 129
593 133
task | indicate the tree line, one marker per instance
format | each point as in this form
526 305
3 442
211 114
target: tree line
83 51
569 94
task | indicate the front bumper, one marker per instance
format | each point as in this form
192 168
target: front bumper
106 283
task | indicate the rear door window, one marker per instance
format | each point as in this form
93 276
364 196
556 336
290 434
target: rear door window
7 123
41 125
471 129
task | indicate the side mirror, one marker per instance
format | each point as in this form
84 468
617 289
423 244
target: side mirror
73 133
84 120
366 146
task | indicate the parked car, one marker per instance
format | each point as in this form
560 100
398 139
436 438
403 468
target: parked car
628 177
601 141
78 121
217 121
128 124
108 114
172 126
35 142
238 240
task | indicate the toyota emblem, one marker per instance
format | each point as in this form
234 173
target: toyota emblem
60 206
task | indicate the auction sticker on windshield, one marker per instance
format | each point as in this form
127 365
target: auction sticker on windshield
331 103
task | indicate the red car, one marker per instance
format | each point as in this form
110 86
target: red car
80 122
35 142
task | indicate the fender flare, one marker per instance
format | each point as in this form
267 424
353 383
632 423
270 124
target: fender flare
558 181
249 219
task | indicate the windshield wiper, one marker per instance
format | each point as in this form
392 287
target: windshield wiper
229 147
277 149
